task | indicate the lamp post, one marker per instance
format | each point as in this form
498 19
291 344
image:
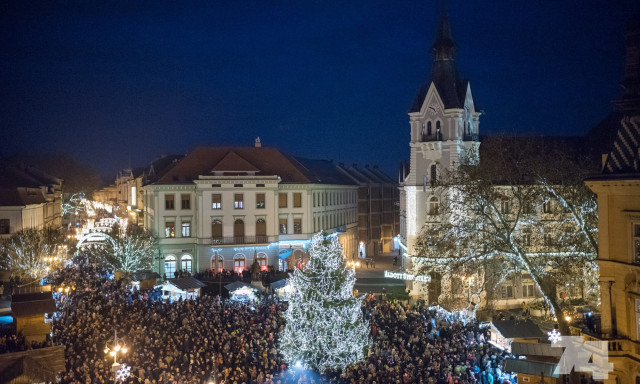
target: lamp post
113 351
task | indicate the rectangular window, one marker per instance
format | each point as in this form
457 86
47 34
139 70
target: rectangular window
238 185
169 229
169 202
636 243
260 200
283 226
282 200
547 240
186 229
133 196
314 200
297 200
237 201
509 291
505 206
546 207
526 239
503 292
4 227
531 290
297 226
216 201
259 185
186 201
216 185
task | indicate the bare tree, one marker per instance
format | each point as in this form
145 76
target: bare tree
30 254
129 251
523 208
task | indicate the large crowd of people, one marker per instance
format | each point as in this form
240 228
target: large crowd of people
193 341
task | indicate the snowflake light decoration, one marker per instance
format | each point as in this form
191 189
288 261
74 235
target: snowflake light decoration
123 373
554 336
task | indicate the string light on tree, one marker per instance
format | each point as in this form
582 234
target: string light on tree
324 324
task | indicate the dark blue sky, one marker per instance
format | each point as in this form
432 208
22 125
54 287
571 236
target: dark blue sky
117 84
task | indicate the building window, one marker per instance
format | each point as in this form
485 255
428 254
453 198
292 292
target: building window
434 205
170 229
505 206
133 196
238 231
4 226
262 261
260 200
237 201
506 292
216 201
186 229
314 200
636 243
169 202
216 232
434 175
170 266
186 263
186 201
282 200
527 290
239 263
261 231
283 226
217 262
526 239
297 200
546 207
429 129
297 226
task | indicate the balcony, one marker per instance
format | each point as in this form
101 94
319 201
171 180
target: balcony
434 137
234 240
470 137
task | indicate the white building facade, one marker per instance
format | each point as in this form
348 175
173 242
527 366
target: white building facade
224 207
444 127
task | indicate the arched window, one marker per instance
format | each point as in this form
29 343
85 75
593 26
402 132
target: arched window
429 130
186 263
216 232
438 132
239 263
262 261
261 231
217 262
238 231
434 174
170 266
434 205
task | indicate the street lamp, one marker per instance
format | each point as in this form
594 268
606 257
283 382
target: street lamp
113 351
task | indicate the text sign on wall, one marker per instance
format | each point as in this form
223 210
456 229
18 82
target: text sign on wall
407 276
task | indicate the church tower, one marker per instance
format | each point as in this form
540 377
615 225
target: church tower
444 129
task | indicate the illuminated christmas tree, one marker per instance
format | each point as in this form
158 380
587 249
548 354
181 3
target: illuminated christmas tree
324 323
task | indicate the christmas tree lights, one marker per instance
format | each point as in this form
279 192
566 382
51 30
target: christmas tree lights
324 323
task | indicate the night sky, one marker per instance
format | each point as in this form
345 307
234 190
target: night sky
117 84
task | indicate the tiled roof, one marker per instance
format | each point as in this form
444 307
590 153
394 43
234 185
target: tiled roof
37 365
11 197
264 161
624 157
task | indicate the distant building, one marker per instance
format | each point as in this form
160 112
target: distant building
29 198
378 210
224 207
618 190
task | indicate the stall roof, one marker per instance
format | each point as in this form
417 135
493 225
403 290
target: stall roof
32 304
237 285
536 349
187 283
529 367
279 284
38 364
512 329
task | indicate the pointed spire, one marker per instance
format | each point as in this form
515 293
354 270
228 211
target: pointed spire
444 47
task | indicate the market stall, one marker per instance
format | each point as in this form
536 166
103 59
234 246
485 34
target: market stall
243 292
183 288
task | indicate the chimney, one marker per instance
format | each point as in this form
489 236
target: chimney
257 143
